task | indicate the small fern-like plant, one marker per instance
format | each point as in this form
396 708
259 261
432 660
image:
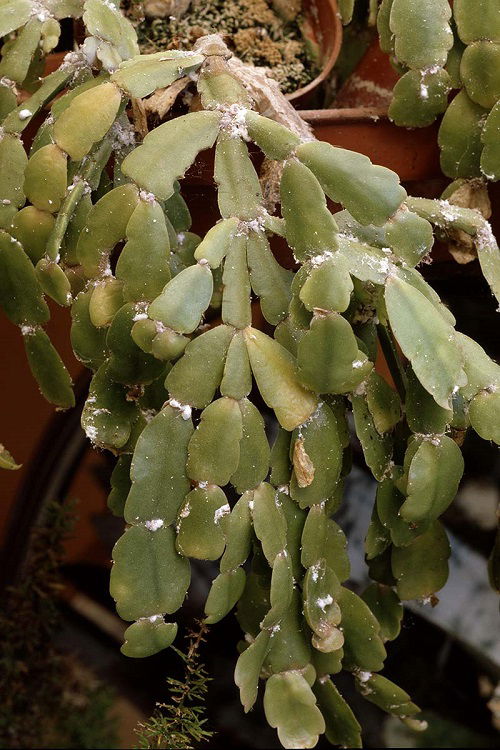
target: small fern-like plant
181 722
97 222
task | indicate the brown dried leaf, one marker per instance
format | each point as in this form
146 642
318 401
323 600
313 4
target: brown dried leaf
139 117
461 246
162 100
470 194
302 464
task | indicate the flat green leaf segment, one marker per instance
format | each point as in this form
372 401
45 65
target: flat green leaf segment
117 37
425 338
151 165
144 74
432 37
204 350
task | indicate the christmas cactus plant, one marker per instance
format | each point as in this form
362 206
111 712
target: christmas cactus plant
96 221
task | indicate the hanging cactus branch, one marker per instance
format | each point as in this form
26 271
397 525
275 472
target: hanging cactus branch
173 396
448 57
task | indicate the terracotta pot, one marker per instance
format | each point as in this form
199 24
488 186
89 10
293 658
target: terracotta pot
371 83
324 28
322 25
359 121
413 154
54 61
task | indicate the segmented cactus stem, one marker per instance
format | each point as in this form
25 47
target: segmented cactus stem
165 321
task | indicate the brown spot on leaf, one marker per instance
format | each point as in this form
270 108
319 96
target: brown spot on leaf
302 464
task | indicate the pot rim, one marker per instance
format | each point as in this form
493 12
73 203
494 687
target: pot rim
337 32
332 57
344 115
